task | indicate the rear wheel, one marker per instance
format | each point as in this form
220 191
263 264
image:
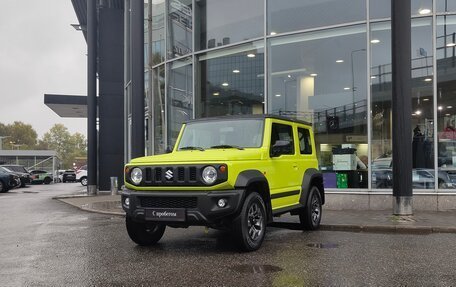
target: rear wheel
144 233
249 228
84 181
310 216
47 180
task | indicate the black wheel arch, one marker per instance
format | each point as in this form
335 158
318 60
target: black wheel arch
312 177
254 180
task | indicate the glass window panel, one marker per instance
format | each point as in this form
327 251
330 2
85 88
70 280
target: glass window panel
292 15
180 94
180 27
446 100
231 82
379 9
381 97
422 101
158 31
446 5
159 109
320 77
222 22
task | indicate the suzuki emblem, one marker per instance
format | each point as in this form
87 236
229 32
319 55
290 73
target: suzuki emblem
169 174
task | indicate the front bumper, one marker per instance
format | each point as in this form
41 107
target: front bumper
196 207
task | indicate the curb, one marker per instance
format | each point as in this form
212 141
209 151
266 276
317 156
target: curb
400 229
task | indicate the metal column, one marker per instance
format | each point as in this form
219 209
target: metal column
137 78
402 107
92 140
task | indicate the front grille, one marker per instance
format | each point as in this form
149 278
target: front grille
176 175
168 202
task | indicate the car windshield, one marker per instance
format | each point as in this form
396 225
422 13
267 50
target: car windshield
239 134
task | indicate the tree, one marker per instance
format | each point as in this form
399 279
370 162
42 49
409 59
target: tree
67 146
20 136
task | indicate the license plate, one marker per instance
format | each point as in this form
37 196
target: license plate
165 214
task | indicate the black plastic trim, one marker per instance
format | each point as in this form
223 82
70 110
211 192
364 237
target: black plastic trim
284 194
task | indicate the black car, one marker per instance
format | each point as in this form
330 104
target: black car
8 181
20 171
69 175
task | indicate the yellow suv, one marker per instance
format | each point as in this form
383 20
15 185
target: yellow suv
233 173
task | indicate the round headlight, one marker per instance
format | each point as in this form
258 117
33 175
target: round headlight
209 174
136 175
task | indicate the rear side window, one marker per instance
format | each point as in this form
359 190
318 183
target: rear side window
281 134
305 145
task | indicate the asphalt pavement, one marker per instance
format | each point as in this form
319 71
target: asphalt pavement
421 222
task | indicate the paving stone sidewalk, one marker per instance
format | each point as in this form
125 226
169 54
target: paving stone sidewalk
422 222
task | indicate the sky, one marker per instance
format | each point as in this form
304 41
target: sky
40 53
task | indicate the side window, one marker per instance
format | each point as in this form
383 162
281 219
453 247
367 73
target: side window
282 135
305 145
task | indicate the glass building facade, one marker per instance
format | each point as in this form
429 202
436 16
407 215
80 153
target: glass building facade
324 62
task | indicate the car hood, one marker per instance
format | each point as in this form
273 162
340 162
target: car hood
209 155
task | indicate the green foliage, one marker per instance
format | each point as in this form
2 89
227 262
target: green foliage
19 136
68 146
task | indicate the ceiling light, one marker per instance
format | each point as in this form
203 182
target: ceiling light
425 100
289 76
251 55
440 108
273 33
278 95
339 61
216 94
451 44
413 114
449 107
418 112
313 75
375 41
447 115
225 84
424 11
373 77
346 88
428 79
236 71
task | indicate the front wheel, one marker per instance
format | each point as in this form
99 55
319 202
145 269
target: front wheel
249 228
47 180
310 216
144 233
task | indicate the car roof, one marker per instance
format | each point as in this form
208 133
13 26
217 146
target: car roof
259 116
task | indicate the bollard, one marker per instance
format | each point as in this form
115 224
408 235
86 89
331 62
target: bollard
113 185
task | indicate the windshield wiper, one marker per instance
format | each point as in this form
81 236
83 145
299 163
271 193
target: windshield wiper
227 146
192 148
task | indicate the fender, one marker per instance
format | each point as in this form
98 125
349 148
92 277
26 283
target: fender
247 177
309 176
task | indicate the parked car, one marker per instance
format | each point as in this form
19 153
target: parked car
41 176
8 181
382 176
69 176
58 176
24 177
81 175
20 171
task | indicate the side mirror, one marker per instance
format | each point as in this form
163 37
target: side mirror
280 147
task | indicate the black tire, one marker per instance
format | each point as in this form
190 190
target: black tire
47 180
144 234
3 187
84 181
310 216
249 227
